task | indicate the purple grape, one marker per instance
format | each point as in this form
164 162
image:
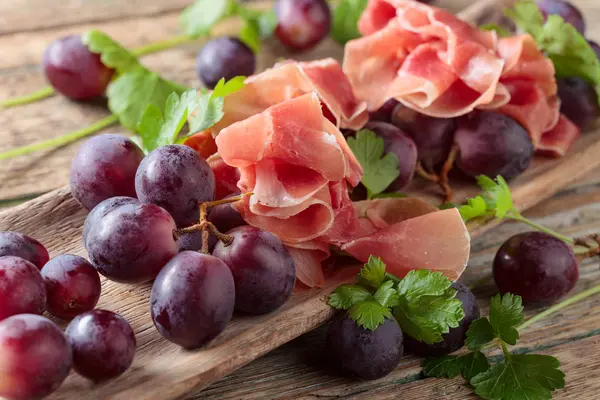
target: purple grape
72 286
225 217
263 269
566 10
177 179
384 114
579 101
224 57
536 266
192 299
455 338
36 357
103 344
74 71
596 47
400 144
302 23
132 242
104 167
363 353
103 208
22 288
19 245
433 136
492 144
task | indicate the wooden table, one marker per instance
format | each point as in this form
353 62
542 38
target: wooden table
299 369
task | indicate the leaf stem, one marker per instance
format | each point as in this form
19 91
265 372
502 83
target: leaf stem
162 45
518 217
61 140
505 350
29 98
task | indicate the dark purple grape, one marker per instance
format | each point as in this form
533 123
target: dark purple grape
192 299
19 245
193 242
399 143
74 71
579 101
103 344
22 288
596 47
72 286
225 217
433 136
536 266
492 144
103 208
177 179
104 167
455 338
302 23
566 10
132 242
384 114
364 353
36 357
263 269
224 57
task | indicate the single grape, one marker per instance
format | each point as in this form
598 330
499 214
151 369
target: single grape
104 167
455 338
36 357
72 286
384 114
224 57
74 71
578 101
433 136
19 245
263 269
596 47
103 344
492 144
132 242
566 10
399 143
102 209
22 288
192 299
302 23
225 217
175 178
536 266
192 241
364 353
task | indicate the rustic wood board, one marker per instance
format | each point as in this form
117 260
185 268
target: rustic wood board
56 220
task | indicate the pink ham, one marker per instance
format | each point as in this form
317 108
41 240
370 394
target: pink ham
226 177
308 257
557 141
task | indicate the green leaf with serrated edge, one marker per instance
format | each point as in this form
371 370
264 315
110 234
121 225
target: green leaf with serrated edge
208 113
473 364
474 208
496 195
112 54
346 296
372 273
421 282
250 35
386 295
225 88
395 195
506 313
526 376
267 23
149 128
479 334
369 314
199 18
344 24
527 17
500 31
379 170
442 367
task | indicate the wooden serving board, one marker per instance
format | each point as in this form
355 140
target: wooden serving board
161 369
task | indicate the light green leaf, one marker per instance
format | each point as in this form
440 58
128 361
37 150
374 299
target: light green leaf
198 19
112 54
496 195
527 16
267 23
474 208
208 113
369 314
250 34
344 24
500 31
346 296
225 88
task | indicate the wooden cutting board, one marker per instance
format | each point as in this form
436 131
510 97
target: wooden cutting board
162 370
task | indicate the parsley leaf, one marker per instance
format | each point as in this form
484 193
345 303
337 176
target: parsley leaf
344 24
369 314
224 88
198 19
474 208
250 34
525 376
112 54
346 296
469 365
473 364
480 333
372 274
506 313
267 23
500 30
386 295
495 200
527 16
379 170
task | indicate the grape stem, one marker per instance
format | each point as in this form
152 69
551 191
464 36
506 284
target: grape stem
448 165
29 98
420 170
518 217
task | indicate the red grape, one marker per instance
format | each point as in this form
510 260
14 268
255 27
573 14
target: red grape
22 288
19 245
104 167
536 266
566 10
36 357
103 208
192 299
103 344
302 23
74 71
224 57
72 286
225 217
579 101
193 241
263 269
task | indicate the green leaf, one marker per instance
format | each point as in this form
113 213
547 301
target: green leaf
369 314
447 206
386 295
500 31
527 16
526 376
473 364
250 34
474 208
422 282
344 24
372 273
506 313
267 23
394 195
224 88
379 170
479 334
442 367
346 296
496 195
198 19
112 54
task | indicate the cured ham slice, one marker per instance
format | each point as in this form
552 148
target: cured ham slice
308 257
383 213
226 177
290 79
557 141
